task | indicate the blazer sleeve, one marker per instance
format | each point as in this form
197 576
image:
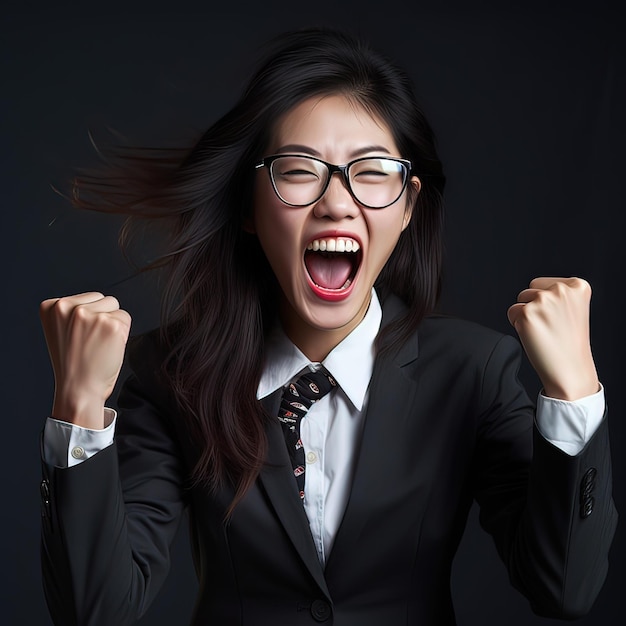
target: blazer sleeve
551 515
108 523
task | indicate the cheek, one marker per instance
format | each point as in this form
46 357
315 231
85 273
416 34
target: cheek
386 234
277 229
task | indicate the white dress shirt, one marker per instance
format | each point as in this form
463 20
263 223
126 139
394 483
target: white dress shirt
331 430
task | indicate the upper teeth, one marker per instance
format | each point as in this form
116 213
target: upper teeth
334 245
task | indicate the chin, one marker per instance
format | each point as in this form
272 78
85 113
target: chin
329 315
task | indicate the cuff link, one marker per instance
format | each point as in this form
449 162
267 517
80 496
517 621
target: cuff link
78 452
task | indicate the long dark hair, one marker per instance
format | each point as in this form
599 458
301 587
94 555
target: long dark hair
218 301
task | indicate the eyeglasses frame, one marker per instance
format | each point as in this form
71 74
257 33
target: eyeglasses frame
332 168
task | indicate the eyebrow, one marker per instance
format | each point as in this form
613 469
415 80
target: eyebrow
293 147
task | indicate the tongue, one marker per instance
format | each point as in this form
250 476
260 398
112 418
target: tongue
329 271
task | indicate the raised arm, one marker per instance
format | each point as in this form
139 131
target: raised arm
108 522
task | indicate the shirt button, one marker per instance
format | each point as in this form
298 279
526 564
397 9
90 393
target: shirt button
78 452
311 457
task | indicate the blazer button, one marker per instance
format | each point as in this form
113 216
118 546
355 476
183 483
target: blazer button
586 508
587 485
44 490
320 610
589 477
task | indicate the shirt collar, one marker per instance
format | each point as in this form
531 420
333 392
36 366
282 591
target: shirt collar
284 360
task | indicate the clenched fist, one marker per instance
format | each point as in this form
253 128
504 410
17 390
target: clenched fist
551 318
86 336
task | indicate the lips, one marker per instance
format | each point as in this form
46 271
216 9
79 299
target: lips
332 264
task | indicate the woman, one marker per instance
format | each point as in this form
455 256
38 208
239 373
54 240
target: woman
306 237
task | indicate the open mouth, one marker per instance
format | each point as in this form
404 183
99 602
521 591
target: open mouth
332 264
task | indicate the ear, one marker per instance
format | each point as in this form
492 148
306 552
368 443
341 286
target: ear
413 191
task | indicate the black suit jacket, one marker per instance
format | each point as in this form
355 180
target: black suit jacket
447 422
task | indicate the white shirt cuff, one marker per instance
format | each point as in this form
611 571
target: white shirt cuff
66 445
570 425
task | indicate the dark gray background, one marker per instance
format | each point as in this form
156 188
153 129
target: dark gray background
528 103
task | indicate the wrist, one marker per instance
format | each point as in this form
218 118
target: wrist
85 411
572 392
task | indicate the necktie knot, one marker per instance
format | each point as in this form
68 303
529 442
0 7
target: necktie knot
308 388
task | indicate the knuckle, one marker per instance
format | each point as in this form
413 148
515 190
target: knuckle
522 313
581 285
62 307
46 305
541 296
110 326
81 313
534 311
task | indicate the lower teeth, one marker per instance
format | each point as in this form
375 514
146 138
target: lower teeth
344 286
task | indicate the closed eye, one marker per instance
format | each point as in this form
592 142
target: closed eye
296 175
372 176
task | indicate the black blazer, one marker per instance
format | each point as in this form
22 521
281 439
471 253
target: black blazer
447 422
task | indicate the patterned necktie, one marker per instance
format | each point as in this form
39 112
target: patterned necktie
297 398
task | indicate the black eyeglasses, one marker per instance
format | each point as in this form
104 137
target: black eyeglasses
374 182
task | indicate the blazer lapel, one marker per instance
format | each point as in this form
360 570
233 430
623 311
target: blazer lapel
277 479
389 392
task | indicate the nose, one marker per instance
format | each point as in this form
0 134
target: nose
337 202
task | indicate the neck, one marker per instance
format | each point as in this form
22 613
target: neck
316 343
315 346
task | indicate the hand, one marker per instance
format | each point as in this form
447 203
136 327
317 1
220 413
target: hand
551 318
86 336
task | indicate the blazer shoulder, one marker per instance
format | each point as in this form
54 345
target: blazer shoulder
452 335
146 352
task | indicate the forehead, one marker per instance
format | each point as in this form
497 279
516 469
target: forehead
328 125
